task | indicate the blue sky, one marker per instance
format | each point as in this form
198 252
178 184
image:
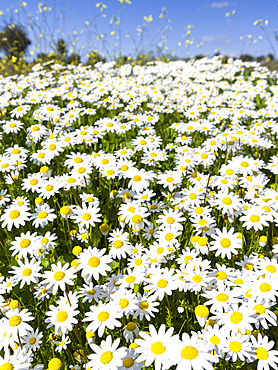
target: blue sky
211 27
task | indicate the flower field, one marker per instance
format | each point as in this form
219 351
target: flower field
139 214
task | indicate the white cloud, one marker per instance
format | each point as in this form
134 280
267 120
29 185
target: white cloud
219 5
208 38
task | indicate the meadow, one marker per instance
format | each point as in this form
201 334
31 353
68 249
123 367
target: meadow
139 214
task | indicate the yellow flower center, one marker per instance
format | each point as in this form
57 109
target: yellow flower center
14 214
124 303
259 308
42 215
137 219
235 346
248 266
94 261
52 147
170 220
170 179
128 362
15 320
222 297
106 357
55 364
189 353
65 210
34 182
162 283
214 340
25 243
59 275
254 218
86 216
261 354
265 287
227 201
81 170
225 243
27 272
143 305
236 317
201 311
202 242
103 316
197 278
6 366
14 304
32 341
137 178
62 316
131 326
157 348
130 279
199 210
270 268
244 164
49 187
118 244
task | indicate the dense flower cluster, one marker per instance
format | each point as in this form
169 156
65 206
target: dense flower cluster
139 214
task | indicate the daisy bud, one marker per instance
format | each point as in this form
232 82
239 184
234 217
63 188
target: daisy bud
54 364
262 241
76 250
104 229
45 171
74 263
255 333
201 313
14 304
65 211
39 200
113 193
133 346
210 322
180 309
90 334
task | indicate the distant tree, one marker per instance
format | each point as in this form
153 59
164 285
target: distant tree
121 60
270 57
14 40
199 56
62 48
74 59
246 58
95 57
260 59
